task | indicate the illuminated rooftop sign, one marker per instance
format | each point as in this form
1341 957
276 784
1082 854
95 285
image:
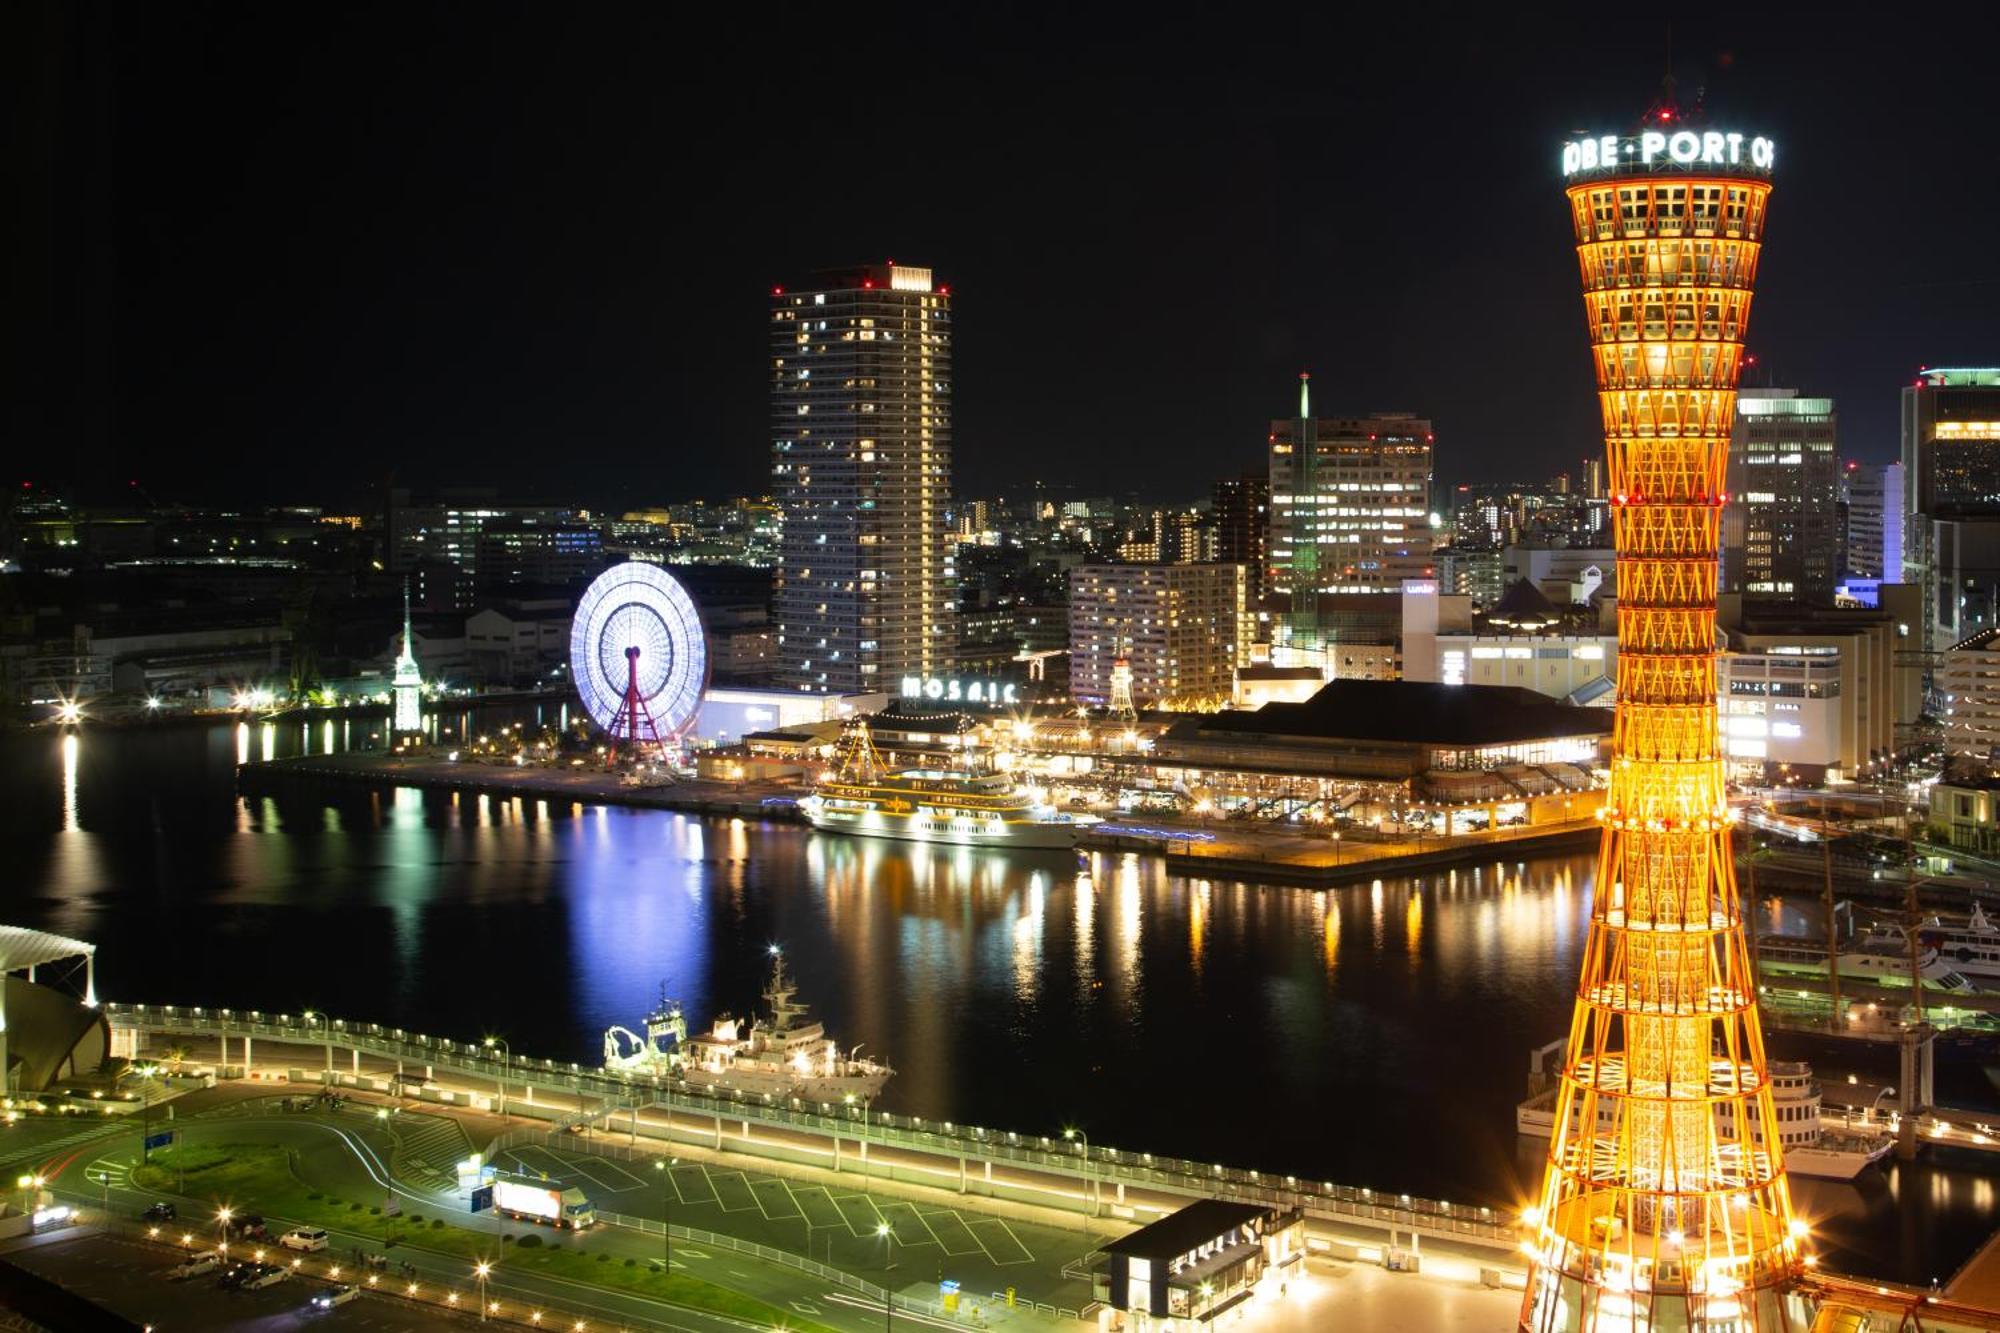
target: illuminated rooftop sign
1656 150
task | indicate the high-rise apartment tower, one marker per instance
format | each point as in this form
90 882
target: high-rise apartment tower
861 470
1243 528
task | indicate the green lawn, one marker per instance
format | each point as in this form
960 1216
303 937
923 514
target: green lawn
264 1177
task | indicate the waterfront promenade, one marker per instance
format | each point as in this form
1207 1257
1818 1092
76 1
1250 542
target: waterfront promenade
1268 853
723 1214
1090 1180
785 1201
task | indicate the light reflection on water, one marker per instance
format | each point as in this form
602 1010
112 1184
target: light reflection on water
1372 1034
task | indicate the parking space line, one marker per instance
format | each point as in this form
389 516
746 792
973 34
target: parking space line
608 1168
954 1237
906 1221
732 1192
851 1205
776 1200
1002 1246
681 1175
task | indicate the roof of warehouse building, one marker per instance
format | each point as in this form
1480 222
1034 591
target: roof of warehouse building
1416 711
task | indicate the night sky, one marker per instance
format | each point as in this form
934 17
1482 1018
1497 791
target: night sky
274 251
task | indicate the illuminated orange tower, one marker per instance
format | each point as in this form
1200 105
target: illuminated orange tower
1664 1204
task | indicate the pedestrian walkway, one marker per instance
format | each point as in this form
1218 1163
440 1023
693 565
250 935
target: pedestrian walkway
427 1149
49 1149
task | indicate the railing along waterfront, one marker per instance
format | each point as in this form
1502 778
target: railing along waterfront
1097 1164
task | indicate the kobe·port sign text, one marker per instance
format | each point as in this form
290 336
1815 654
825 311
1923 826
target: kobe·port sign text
1662 148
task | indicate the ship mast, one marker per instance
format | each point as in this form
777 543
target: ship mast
858 761
779 994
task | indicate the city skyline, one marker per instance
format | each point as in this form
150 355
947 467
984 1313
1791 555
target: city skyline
496 252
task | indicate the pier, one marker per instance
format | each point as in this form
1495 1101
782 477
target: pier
1092 1181
1218 849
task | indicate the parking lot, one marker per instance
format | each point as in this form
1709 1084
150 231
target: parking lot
128 1278
835 1225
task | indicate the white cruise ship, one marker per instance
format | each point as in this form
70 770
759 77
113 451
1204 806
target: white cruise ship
931 805
1878 959
1811 1149
1973 948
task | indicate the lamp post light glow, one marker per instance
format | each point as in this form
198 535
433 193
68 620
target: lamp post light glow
1664 1079
500 1044
664 1167
888 1235
480 1270
326 1030
1089 1178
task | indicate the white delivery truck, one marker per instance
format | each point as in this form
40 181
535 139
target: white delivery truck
536 1200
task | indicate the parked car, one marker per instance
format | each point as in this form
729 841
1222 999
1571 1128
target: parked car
236 1275
195 1265
305 1238
333 1296
267 1275
159 1212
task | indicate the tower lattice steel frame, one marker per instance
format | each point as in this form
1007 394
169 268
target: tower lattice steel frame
1664 1203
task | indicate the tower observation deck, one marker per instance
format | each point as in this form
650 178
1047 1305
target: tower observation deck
1663 1206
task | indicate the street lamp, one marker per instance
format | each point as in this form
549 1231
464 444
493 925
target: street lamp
480 1270
1208 1297
506 1053
326 1028
222 1216
888 1235
145 1073
1876 1105
667 1211
1089 1201
864 1128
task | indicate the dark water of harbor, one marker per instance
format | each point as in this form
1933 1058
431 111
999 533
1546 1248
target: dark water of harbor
1374 1035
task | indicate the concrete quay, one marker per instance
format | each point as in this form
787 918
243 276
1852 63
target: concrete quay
1095 1182
1220 849
576 786
1230 850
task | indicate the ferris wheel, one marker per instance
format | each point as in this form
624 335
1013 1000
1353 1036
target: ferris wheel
638 655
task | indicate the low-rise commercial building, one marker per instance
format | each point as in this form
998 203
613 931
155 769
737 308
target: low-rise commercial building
1782 713
1391 754
1195 1264
1965 812
1870 677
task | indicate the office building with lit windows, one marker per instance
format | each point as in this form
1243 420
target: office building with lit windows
1781 534
1951 499
1367 512
861 471
1871 496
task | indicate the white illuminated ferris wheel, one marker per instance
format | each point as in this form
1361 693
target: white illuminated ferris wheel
638 655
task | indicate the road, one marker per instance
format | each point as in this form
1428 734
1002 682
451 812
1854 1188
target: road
127 1277
349 1159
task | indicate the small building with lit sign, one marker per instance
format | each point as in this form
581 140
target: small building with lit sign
1191 1266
